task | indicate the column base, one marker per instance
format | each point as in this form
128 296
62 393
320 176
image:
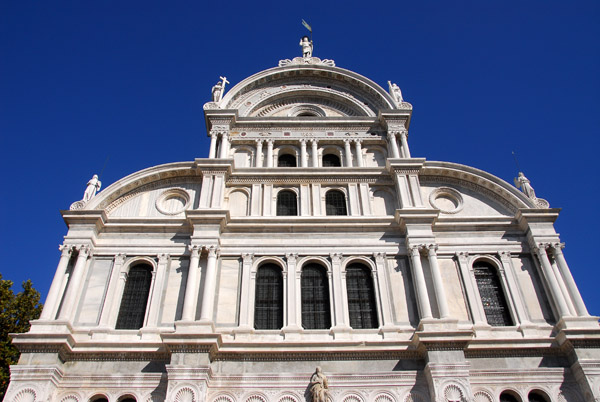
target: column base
577 322
195 326
341 332
438 325
388 331
50 326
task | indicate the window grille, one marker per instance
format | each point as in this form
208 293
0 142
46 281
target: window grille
286 160
492 295
335 203
135 298
331 160
315 298
268 302
287 204
361 297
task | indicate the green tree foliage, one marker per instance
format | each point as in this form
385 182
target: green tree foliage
15 313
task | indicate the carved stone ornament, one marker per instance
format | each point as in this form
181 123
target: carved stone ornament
77 205
306 60
210 105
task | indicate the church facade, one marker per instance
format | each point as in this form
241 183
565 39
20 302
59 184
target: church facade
310 237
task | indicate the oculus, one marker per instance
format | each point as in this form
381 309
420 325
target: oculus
173 201
447 200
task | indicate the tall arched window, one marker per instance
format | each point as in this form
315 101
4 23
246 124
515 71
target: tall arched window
287 204
335 203
286 160
135 297
331 160
492 294
315 298
268 301
361 297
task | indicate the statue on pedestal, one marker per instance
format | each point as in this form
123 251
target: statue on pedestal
307 47
318 386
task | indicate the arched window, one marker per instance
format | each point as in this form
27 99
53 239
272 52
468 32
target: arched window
331 160
508 397
286 160
335 203
492 294
98 398
287 204
315 298
361 297
537 396
127 398
135 297
268 301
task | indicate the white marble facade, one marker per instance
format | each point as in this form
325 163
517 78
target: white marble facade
205 228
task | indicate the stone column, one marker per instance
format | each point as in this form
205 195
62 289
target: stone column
191 286
471 290
404 142
49 311
247 260
156 292
513 287
420 285
208 295
111 294
224 145
259 153
314 153
561 305
393 144
359 155
382 289
291 309
438 283
269 153
348 153
212 153
338 296
70 300
568 278
303 155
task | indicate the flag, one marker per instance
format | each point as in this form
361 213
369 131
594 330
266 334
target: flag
306 26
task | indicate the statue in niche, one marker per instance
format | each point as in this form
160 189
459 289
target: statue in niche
395 92
524 184
307 47
93 186
318 386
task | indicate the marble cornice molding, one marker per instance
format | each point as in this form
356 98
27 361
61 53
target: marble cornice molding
310 178
317 355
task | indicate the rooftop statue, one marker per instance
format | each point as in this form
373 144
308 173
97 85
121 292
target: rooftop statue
93 185
395 92
524 184
219 89
307 47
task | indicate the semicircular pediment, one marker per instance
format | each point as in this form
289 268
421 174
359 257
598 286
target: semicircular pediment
456 189
342 92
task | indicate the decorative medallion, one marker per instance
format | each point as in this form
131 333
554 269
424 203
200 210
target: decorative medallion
447 200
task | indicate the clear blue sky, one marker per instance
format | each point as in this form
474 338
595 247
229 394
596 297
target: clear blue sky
81 81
